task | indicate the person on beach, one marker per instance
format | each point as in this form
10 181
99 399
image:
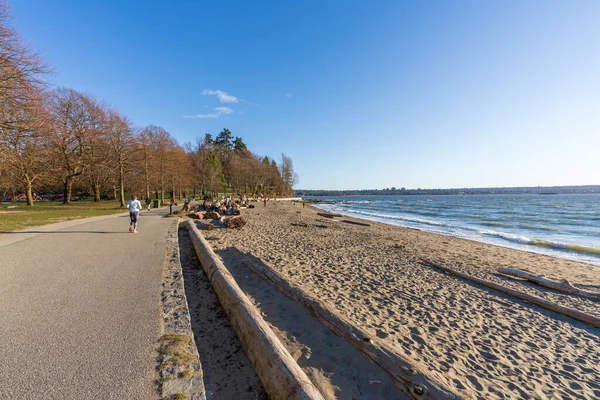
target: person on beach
148 203
134 207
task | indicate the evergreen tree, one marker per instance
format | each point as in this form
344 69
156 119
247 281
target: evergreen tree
225 139
239 146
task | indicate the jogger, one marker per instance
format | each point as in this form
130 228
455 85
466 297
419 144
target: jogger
134 207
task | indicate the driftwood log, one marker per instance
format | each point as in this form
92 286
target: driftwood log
212 215
563 286
299 224
569 312
329 215
414 383
281 376
198 215
235 222
347 221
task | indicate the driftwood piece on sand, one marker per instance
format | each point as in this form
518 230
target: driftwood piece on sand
570 312
415 383
329 215
198 215
281 376
564 286
299 224
235 222
347 221
212 215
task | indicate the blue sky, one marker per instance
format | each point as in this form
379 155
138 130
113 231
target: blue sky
361 94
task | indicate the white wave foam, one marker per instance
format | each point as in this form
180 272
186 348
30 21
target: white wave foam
398 217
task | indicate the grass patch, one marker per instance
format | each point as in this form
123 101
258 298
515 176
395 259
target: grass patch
20 216
175 348
179 396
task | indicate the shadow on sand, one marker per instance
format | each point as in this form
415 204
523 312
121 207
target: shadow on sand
337 368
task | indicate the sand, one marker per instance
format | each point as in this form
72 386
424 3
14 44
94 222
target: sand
477 341
334 366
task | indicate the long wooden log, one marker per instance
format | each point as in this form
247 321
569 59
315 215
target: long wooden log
347 221
415 383
329 215
282 377
570 312
564 286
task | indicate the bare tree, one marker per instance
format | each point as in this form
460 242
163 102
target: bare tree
21 77
289 176
23 148
25 152
75 119
122 145
161 144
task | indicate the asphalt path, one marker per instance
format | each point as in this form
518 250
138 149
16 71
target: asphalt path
80 308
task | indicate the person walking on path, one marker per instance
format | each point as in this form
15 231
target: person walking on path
148 202
265 201
134 207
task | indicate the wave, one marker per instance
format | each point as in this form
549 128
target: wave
576 248
491 223
540 228
399 217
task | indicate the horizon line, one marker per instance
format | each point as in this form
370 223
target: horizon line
456 188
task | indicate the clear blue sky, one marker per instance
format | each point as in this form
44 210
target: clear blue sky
361 94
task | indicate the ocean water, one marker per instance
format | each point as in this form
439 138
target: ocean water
563 225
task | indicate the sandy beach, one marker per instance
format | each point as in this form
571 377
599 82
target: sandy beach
477 341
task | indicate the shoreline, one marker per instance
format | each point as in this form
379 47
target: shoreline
577 253
476 340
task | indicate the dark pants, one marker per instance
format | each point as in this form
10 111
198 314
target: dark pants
133 216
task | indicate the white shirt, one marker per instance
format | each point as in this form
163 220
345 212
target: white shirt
134 206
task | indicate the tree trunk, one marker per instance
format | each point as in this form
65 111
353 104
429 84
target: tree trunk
96 192
162 189
122 186
114 192
29 195
147 181
68 189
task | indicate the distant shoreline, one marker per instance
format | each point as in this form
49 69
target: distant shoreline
540 190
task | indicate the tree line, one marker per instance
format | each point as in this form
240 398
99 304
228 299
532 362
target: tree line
61 140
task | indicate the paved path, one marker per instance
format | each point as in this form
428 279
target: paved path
80 309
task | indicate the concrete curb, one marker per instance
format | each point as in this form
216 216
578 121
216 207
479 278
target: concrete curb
282 377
